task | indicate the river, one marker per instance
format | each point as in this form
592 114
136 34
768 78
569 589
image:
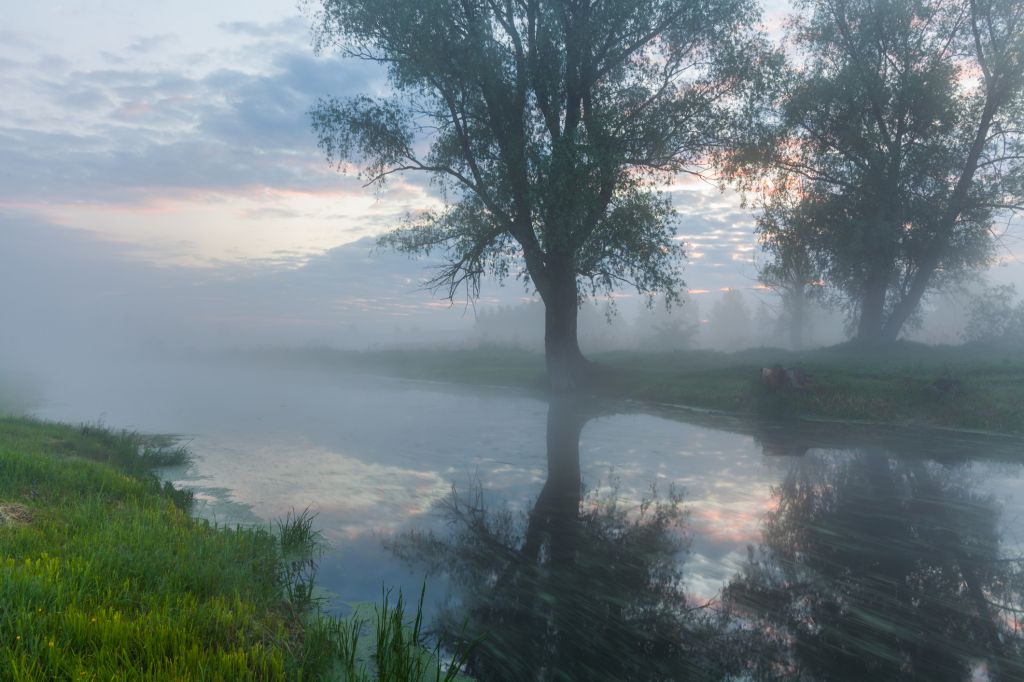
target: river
603 540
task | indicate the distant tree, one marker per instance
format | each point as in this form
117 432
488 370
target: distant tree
901 127
511 326
767 325
522 326
544 123
660 328
995 316
787 233
729 322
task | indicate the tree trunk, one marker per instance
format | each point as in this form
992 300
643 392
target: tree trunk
567 368
958 203
909 303
797 314
556 512
872 306
564 485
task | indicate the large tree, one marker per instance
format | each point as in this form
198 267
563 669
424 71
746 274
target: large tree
547 125
900 129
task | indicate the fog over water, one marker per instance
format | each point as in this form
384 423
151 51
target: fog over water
373 458
183 216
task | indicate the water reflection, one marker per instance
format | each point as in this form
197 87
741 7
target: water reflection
877 568
870 566
577 588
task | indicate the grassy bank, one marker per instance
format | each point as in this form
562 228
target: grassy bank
966 388
904 383
104 575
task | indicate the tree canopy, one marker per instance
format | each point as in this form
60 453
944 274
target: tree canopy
899 137
547 126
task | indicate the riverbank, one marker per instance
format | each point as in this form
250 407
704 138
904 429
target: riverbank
902 384
107 576
104 574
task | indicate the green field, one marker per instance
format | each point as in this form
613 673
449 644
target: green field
905 383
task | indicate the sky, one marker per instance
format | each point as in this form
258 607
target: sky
158 155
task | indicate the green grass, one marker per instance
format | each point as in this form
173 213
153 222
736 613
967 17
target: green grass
895 384
969 388
397 648
104 575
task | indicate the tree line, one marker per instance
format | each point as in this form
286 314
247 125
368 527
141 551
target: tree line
879 141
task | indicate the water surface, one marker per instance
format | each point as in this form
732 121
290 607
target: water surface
605 541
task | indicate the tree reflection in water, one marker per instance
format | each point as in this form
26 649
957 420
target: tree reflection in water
575 589
873 568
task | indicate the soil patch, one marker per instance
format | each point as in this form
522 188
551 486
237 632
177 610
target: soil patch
14 514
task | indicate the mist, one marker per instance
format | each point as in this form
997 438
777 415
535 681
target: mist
75 299
621 334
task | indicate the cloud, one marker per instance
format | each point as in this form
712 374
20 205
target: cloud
140 133
270 111
147 44
52 63
158 135
289 27
274 212
713 227
17 40
85 99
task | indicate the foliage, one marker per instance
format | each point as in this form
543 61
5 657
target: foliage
729 324
660 327
544 120
400 650
897 144
786 232
111 580
300 547
994 317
